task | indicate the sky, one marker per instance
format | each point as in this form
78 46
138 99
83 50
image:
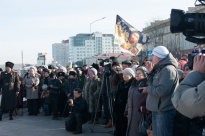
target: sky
33 26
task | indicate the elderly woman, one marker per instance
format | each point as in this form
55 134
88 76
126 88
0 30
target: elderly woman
31 82
91 89
134 102
121 101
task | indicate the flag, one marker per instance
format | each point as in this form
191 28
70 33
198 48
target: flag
128 38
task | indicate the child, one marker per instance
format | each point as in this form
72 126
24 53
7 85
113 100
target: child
46 99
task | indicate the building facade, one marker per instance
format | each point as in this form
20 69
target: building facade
60 53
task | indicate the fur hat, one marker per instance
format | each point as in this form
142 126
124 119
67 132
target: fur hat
93 70
45 70
9 64
160 51
129 71
72 73
52 75
61 74
127 62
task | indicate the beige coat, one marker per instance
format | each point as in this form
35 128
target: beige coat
31 93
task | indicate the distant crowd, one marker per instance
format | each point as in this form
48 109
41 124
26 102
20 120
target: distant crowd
151 98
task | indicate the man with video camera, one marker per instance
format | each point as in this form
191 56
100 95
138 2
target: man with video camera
79 112
189 97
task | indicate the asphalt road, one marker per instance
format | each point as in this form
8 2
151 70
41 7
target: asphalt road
43 126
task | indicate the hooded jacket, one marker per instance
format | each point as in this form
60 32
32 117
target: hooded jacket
162 81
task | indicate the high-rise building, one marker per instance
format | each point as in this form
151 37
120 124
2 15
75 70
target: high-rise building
88 45
60 52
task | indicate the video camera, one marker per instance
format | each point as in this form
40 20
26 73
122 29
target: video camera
192 25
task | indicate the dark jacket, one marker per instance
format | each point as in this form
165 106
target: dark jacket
55 90
70 85
9 83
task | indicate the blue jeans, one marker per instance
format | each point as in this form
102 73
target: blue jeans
162 123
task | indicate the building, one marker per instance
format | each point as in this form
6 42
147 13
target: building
81 46
88 45
41 60
159 34
60 53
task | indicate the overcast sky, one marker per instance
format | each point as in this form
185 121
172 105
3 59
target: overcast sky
33 26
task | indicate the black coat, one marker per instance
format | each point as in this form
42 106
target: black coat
9 83
80 106
55 90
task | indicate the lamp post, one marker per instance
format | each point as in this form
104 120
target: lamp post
94 22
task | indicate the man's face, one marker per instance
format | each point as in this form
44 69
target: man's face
76 94
8 69
134 37
31 72
46 74
155 59
40 69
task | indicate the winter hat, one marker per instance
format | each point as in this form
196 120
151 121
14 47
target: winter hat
52 75
115 63
180 72
45 70
160 51
93 70
72 73
134 67
61 74
9 64
129 71
127 62
144 70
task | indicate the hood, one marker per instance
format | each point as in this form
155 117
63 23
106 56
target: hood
169 60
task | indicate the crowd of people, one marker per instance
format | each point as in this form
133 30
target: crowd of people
161 97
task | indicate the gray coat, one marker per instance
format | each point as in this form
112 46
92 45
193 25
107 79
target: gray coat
90 92
134 116
189 97
31 93
163 80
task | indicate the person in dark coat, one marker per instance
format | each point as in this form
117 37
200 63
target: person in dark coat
134 102
63 97
10 86
121 102
78 114
71 83
54 91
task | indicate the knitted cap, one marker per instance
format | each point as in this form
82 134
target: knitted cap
129 71
93 70
160 51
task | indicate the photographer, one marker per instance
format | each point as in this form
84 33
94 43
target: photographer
189 100
79 112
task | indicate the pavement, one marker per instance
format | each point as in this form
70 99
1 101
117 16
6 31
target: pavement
24 125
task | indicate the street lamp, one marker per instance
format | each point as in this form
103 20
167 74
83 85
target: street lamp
94 22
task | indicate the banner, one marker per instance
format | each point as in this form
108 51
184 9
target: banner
128 38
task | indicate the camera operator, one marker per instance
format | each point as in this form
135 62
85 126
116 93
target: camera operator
162 81
189 100
78 114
